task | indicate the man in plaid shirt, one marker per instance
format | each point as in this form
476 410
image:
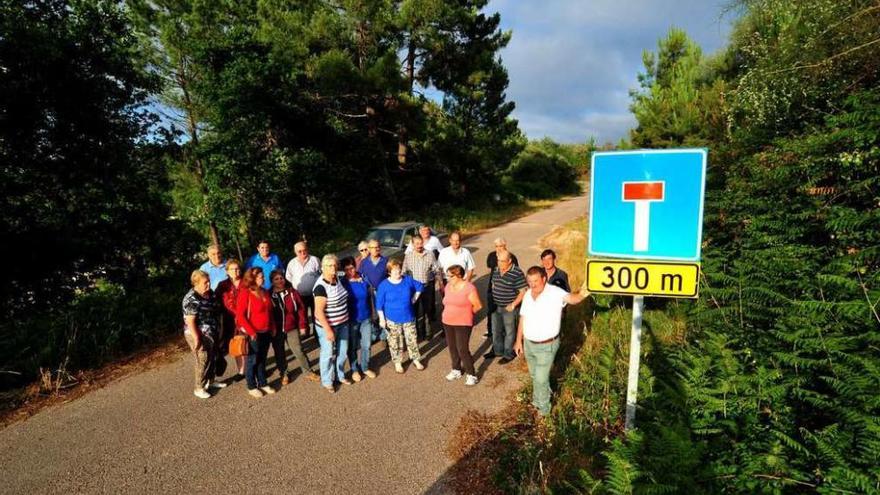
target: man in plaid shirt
421 264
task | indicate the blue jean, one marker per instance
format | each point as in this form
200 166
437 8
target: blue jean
255 368
360 341
333 354
540 358
504 331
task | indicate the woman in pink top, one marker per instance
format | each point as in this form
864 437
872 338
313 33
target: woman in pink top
460 303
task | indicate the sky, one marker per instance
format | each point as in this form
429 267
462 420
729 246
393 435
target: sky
572 63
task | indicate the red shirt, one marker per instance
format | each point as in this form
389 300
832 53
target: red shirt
290 310
254 313
228 293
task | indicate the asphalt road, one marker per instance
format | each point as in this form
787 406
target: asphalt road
146 433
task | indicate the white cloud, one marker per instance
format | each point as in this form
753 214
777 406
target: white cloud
572 62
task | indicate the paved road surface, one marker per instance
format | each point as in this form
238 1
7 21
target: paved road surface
147 434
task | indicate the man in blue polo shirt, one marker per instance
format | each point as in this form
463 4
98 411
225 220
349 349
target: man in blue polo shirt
215 267
374 270
266 260
373 267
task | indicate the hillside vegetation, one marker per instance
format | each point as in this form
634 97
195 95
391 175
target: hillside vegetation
768 383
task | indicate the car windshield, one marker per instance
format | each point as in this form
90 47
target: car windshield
386 237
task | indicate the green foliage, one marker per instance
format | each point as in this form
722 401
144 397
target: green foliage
538 174
82 195
95 328
773 386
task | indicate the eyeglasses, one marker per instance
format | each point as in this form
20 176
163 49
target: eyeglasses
364 250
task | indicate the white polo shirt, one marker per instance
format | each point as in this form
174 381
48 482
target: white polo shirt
433 244
303 276
542 316
463 258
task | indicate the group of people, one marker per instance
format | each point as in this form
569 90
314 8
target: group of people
353 303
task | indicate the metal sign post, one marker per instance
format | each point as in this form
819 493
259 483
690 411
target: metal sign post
645 233
635 350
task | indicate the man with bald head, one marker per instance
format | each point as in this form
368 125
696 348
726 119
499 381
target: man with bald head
302 273
508 288
492 263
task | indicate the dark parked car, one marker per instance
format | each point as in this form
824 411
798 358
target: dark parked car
394 238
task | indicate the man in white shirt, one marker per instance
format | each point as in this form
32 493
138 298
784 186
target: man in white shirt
302 273
455 254
431 242
538 333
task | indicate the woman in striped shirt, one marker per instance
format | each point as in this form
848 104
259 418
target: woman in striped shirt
331 323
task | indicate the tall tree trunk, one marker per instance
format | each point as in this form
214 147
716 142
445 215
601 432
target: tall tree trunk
199 169
402 137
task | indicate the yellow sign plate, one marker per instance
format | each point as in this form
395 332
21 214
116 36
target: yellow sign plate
643 278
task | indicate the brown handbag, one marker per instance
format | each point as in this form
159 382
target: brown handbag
238 346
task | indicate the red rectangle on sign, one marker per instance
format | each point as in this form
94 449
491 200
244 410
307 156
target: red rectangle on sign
635 191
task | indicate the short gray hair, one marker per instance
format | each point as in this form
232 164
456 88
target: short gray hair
362 245
500 240
328 259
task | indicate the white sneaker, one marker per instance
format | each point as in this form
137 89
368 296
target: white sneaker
398 367
470 380
453 375
255 393
218 385
418 364
201 393
267 390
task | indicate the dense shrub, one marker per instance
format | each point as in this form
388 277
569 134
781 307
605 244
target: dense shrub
536 174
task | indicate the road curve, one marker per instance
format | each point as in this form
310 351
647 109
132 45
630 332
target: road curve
146 433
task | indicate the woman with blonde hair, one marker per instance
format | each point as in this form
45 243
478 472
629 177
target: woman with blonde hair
201 329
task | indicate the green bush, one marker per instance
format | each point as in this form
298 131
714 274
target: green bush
95 328
536 174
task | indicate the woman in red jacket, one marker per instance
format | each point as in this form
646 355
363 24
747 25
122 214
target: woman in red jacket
254 315
289 314
227 291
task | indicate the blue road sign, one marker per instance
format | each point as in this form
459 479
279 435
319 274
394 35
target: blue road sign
647 204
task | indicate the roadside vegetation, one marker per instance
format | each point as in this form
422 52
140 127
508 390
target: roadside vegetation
768 382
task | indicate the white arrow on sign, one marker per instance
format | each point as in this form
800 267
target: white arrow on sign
642 193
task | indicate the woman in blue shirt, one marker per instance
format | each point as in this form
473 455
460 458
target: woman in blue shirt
361 326
394 303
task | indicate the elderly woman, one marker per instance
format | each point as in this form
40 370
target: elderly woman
460 302
289 314
253 313
331 324
227 292
394 303
360 323
201 322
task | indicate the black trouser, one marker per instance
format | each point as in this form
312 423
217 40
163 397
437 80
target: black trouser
255 370
227 330
458 341
425 311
